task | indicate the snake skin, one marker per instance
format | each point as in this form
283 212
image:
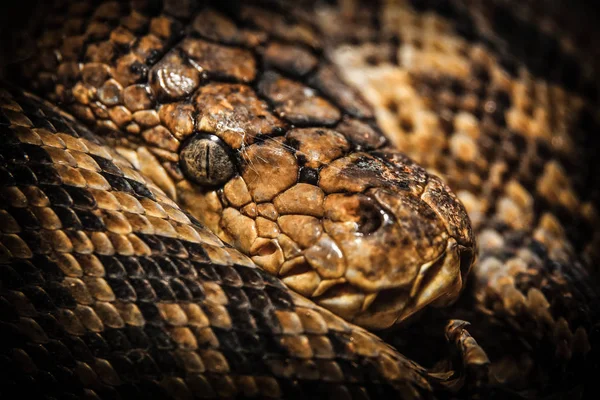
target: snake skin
110 290
336 213
507 122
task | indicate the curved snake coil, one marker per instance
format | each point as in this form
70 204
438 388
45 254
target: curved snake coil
278 126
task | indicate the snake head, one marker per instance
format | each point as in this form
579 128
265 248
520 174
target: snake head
405 237
364 232
313 195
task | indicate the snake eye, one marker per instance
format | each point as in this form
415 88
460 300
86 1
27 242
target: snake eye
206 160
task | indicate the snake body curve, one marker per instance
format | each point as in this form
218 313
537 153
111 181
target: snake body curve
113 289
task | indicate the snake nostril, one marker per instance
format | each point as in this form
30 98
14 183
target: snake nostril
371 218
361 213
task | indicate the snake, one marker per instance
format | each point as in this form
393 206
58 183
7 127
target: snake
312 199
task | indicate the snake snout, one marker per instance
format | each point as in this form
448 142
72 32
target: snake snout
405 237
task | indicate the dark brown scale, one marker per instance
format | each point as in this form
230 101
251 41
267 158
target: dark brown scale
361 134
308 175
220 62
297 103
293 60
327 81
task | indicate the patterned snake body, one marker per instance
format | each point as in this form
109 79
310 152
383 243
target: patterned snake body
262 126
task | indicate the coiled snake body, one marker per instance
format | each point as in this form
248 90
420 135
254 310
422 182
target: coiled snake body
234 197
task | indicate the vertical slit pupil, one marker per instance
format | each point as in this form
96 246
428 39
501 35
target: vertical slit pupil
206 160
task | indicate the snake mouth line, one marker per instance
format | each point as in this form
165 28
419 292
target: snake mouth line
438 283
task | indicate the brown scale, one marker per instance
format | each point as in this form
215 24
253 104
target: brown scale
110 290
298 104
292 59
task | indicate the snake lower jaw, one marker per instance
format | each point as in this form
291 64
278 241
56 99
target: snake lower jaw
438 284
